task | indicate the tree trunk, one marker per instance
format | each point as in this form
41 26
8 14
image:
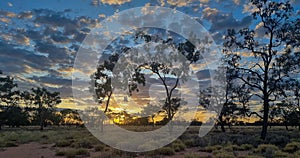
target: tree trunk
41 126
265 120
41 120
153 121
286 127
222 122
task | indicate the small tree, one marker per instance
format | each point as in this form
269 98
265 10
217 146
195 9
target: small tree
44 101
169 62
8 96
264 63
107 75
229 108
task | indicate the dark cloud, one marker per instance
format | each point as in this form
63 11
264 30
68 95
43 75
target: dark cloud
220 22
52 79
15 58
227 21
56 54
60 38
25 15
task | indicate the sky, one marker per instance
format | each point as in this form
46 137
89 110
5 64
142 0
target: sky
39 39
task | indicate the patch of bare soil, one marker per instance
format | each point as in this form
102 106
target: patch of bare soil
30 150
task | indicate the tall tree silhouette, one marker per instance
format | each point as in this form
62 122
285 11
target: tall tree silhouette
169 61
264 62
107 75
44 101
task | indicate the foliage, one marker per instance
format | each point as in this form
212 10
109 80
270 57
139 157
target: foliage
266 65
45 101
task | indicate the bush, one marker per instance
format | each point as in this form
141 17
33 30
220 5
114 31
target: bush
264 147
211 148
233 148
278 140
192 155
60 153
224 154
82 151
292 147
63 143
99 147
267 150
165 151
10 144
280 154
178 145
73 152
297 153
82 144
246 147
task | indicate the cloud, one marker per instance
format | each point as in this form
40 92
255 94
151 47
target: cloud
179 3
249 8
21 39
209 13
260 30
221 21
8 14
114 2
237 2
25 15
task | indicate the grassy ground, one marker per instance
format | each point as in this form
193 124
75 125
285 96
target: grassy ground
239 142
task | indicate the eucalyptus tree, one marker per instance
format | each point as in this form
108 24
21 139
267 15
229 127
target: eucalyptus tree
9 97
45 101
265 61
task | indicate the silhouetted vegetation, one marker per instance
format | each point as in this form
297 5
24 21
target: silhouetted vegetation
265 62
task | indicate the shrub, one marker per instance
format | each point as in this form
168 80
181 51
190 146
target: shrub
297 153
63 143
10 144
73 152
191 155
278 140
224 154
280 154
165 151
267 150
82 151
60 153
211 148
233 148
99 147
292 147
82 144
264 147
178 145
246 146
